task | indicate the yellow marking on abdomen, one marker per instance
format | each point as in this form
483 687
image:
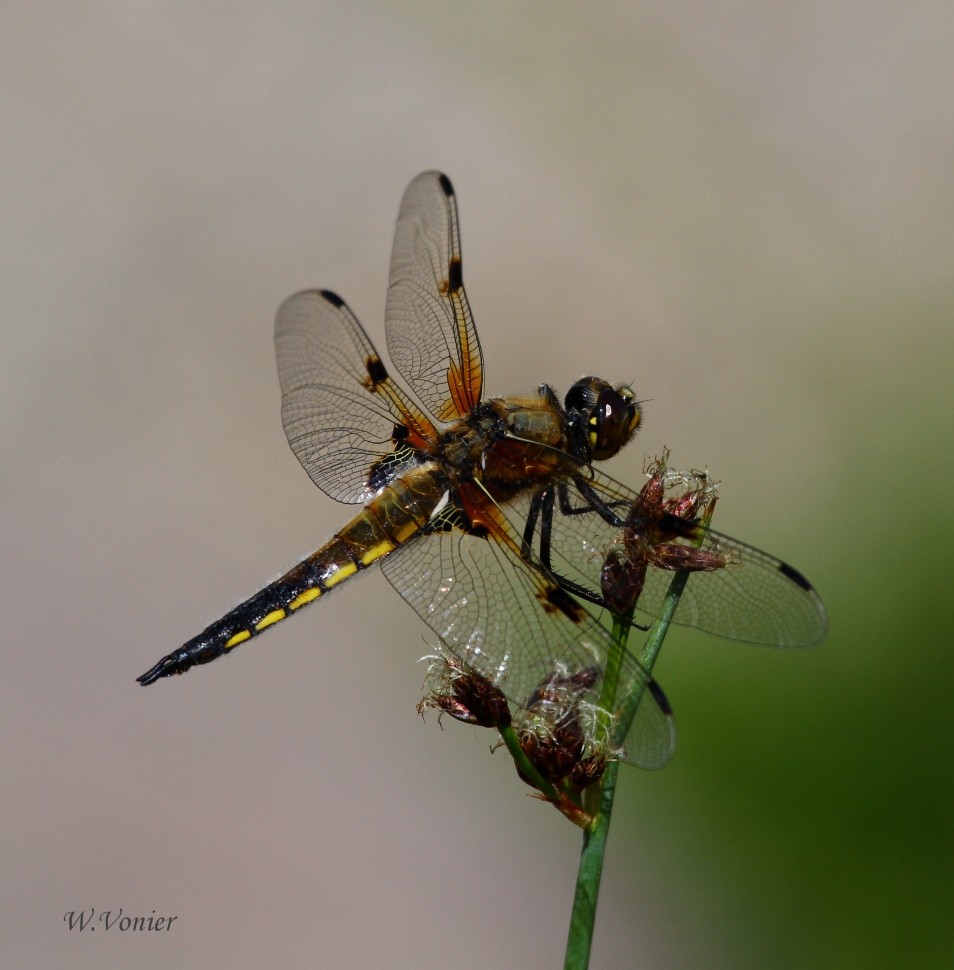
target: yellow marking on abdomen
237 639
376 552
303 598
404 530
269 619
342 572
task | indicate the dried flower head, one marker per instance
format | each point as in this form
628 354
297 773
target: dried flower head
659 531
565 736
463 694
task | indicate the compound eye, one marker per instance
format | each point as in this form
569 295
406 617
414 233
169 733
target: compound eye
611 423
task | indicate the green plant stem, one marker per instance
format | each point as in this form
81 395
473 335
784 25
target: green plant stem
589 875
583 917
647 658
614 663
523 763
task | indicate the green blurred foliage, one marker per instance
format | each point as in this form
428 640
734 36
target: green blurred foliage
818 787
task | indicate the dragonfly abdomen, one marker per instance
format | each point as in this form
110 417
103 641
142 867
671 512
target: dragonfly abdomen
392 517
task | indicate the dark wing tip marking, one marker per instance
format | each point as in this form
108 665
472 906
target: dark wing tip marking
659 697
455 276
376 370
795 576
445 184
332 298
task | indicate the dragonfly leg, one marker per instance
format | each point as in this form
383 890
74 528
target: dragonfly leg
598 505
582 593
526 546
546 526
565 507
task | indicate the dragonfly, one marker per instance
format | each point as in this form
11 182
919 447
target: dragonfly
471 506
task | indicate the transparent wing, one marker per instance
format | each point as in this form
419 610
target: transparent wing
341 412
647 744
430 330
756 598
512 624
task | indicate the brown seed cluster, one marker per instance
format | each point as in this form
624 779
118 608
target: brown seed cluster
464 694
659 532
563 735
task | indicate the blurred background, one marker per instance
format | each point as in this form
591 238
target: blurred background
746 209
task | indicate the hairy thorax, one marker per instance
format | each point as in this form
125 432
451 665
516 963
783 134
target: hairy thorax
509 445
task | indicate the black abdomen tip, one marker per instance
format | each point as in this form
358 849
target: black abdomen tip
169 665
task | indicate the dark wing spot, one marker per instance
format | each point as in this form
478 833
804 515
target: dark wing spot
554 599
387 466
446 184
400 433
380 473
659 696
795 576
455 278
376 371
332 298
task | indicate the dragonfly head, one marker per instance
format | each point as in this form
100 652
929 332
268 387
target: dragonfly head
602 417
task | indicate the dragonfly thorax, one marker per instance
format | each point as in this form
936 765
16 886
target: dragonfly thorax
508 444
463 446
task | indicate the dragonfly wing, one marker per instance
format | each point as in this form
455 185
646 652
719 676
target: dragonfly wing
430 329
346 421
755 598
506 619
651 740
